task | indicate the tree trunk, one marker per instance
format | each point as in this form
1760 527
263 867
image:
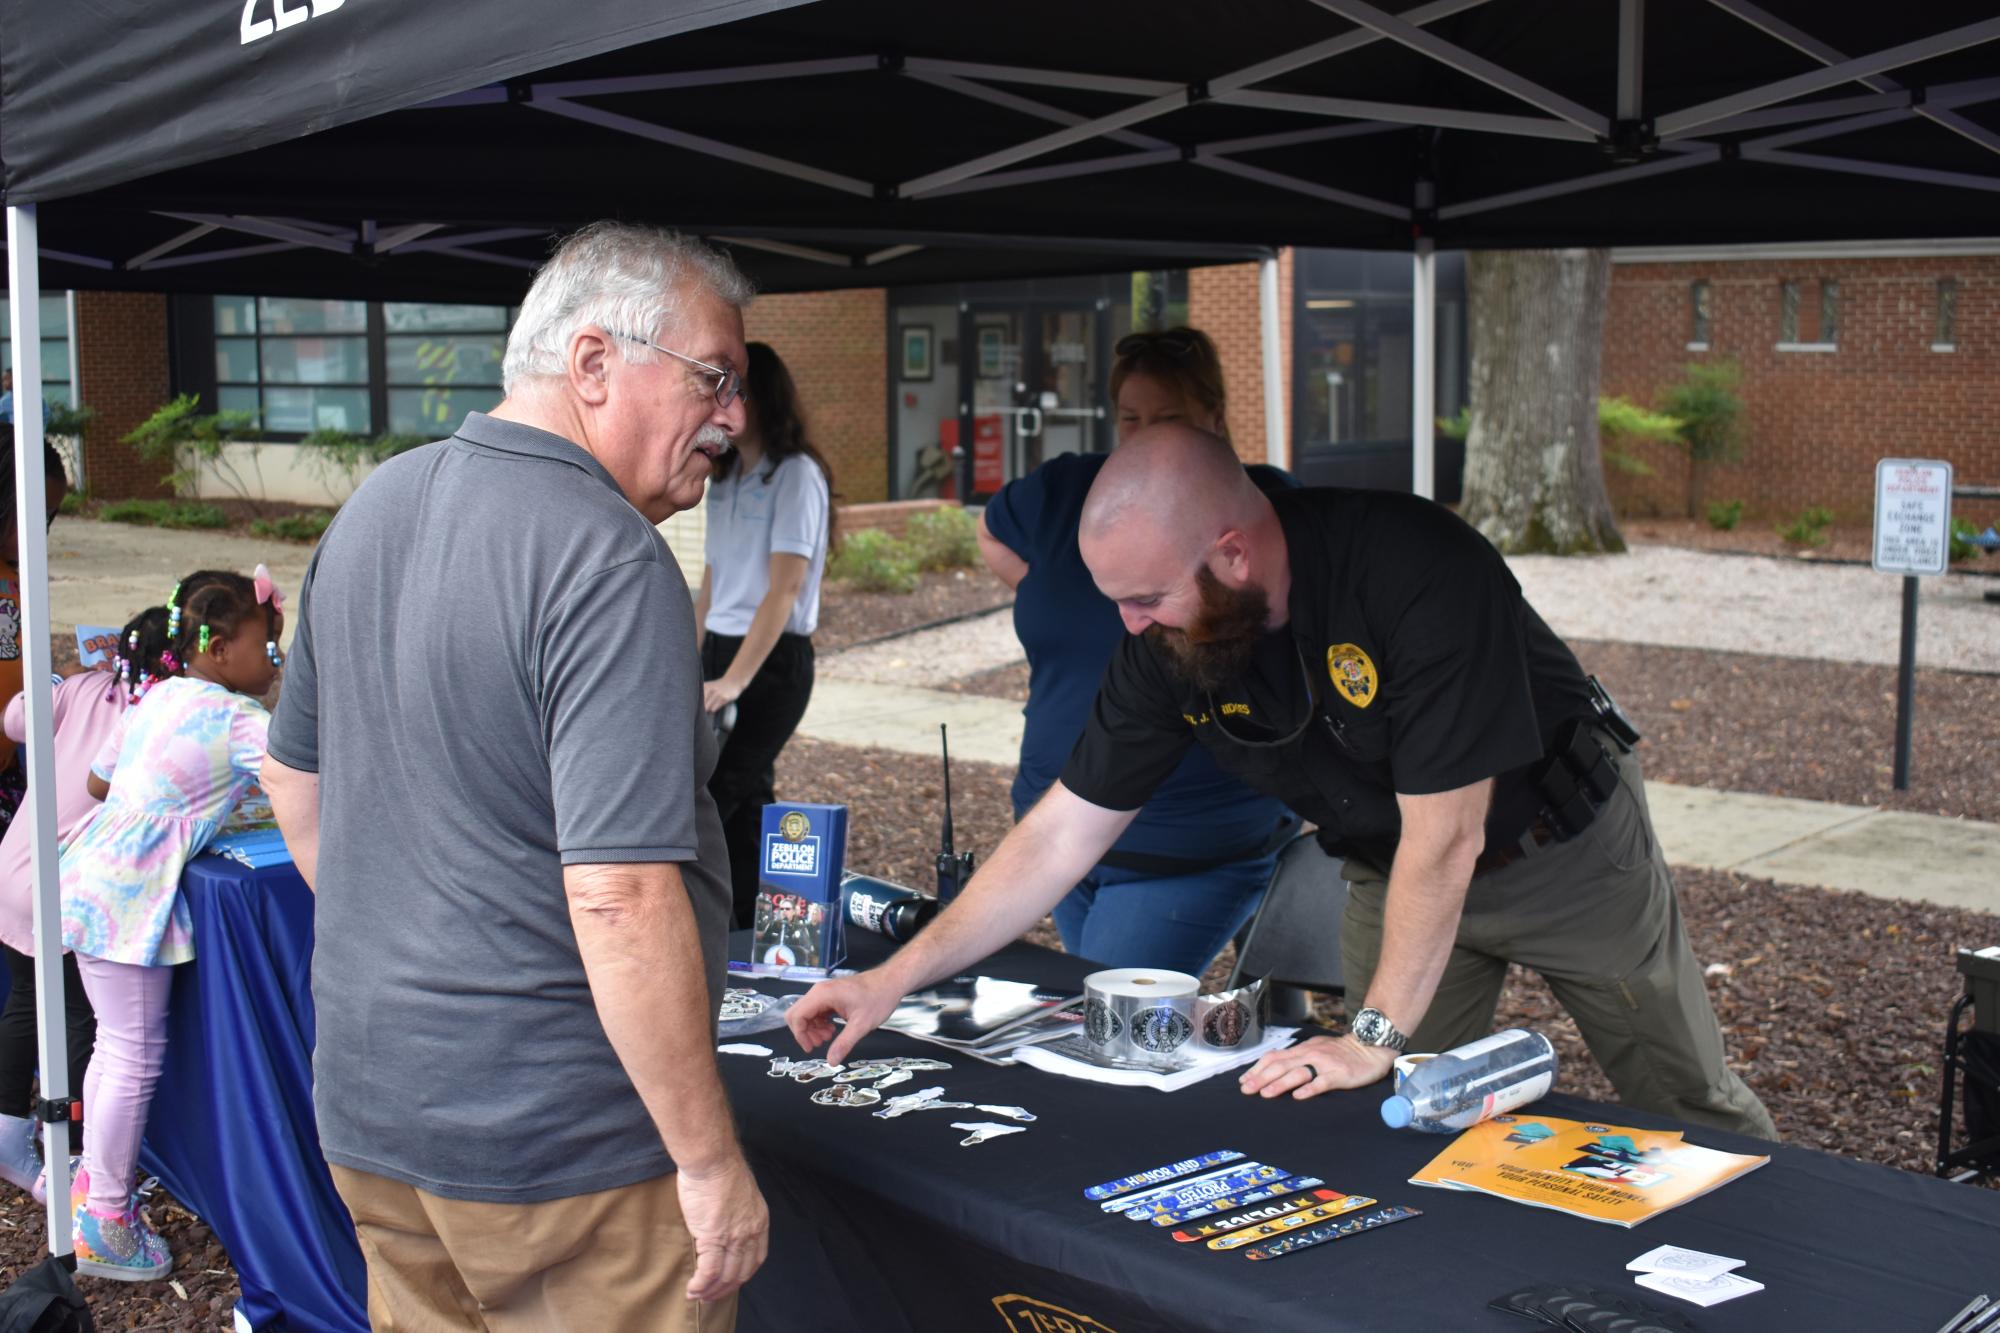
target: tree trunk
1697 486
1534 478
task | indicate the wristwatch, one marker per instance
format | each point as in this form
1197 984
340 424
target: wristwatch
1371 1027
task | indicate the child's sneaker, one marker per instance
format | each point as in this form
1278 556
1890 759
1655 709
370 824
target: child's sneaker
19 1162
121 1246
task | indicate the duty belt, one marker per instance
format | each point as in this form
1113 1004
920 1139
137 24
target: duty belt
1576 780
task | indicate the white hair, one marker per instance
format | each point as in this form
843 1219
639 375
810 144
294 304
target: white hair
623 279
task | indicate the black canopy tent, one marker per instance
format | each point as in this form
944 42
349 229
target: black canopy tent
429 151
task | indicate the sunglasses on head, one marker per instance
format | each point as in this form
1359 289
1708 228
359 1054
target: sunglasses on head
1173 344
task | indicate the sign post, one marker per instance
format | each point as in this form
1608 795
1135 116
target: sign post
1912 537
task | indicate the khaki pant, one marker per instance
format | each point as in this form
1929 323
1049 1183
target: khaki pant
607 1262
1599 919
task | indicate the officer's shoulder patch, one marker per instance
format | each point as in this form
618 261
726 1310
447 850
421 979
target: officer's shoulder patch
1353 674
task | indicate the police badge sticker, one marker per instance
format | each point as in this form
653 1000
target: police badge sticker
794 826
1353 674
1161 1030
1100 1025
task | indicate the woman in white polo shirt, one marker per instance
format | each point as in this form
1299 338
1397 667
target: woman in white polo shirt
770 522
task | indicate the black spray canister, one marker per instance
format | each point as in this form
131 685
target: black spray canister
885 908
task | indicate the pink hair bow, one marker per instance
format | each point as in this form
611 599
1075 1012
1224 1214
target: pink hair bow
267 591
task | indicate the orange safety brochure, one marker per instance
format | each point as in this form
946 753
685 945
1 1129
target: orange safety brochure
1606 1173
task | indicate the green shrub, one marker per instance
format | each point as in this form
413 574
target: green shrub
164 514
194 516
1710 411
1724 515
75 503
1963 530
343 454
873 561
945 538
179 434
1809 529
293 527
147 513
1619 421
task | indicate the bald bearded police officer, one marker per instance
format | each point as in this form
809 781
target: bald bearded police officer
1369 659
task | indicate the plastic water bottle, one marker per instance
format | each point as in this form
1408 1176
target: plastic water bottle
1485 1078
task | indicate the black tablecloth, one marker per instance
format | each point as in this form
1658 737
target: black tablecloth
889 1224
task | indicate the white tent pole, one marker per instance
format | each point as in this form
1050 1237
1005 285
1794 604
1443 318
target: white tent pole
1423 369
1277 448
24 288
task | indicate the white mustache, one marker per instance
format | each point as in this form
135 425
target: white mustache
713 441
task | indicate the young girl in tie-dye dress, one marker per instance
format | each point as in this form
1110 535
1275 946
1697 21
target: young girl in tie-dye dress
178 764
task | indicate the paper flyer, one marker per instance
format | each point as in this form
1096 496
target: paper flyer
95 643
1603 1172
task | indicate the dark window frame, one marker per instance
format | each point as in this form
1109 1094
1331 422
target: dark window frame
192 352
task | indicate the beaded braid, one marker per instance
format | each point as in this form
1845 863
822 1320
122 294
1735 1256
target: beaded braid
212 611
144 659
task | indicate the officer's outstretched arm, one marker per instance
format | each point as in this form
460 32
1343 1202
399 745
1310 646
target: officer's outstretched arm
1027 874
1442 837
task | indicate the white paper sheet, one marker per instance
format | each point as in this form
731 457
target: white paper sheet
1207 1066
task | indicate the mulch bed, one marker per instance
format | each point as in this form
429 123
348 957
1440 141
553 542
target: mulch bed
1851 538
1833 1003
242 513
1782 726
848 616
1822 731
200 1267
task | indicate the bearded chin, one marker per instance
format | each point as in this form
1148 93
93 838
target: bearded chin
1206 666
1216 647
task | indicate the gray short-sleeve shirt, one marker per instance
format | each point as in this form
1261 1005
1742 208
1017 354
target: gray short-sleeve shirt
494 676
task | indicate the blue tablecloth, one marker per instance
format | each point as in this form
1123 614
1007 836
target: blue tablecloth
232 1132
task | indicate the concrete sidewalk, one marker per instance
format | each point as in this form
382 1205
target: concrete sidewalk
1924 858
105 573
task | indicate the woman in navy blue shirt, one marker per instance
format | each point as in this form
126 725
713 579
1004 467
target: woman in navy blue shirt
1194 864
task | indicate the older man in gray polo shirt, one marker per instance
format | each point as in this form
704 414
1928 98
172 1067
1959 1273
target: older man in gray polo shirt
490 761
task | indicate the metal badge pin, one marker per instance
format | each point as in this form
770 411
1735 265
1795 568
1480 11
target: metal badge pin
981 1130
862 1073
909 1101
1011 1112
781 1067
846 1094
825 1070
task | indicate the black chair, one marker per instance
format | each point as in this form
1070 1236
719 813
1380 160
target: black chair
1294 939
1972 1056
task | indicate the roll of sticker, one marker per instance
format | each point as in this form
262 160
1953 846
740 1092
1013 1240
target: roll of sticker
1140 1016
1230 1020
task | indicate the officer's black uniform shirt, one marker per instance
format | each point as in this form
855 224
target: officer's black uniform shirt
1411 659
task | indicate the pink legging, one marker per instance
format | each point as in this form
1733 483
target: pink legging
131 1004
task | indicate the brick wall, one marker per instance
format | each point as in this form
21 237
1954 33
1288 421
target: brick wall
1817 421
833 344
1222 302
121 349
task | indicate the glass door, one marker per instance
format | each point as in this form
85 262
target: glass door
1032 387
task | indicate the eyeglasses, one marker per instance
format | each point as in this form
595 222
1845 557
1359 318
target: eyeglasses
1174 344
728 386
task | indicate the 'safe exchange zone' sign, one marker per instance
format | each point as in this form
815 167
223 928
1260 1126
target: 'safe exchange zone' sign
1912 516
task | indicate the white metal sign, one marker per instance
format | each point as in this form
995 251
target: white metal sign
1912 516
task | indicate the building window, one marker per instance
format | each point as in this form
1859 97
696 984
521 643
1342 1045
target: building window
404 368
296 365
1698 299
441 362
1828 333
56 384
1944 337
